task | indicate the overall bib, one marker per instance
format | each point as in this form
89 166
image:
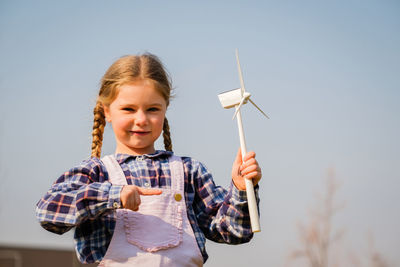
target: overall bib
159 233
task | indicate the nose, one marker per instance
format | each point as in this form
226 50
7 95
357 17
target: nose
140 118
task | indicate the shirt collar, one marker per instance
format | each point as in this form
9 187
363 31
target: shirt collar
158 154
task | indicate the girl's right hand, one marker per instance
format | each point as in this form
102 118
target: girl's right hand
130 196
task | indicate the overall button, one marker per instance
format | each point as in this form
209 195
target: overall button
116 205
146 184
178 197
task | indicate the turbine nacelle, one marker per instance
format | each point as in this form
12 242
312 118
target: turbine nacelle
232 98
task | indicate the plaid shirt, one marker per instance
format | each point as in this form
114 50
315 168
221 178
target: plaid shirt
84 198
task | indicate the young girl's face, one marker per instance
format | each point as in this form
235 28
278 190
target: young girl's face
137 117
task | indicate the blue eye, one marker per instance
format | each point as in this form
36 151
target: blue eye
153 109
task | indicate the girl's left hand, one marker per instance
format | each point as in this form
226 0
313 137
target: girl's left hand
249 169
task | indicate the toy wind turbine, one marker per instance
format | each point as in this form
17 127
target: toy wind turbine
236 98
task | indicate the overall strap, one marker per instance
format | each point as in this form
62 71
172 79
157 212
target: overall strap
115 173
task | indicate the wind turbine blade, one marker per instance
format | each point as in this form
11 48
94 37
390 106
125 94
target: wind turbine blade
238 108
258 108
240 73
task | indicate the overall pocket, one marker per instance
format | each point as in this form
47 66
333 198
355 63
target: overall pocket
154 227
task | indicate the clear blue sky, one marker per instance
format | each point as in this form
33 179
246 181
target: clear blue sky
326 73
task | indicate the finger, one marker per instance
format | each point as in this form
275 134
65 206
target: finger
131 203
249 163
255 176
249 155
249 169
149 192
137 202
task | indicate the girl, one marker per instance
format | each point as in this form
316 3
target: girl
144 206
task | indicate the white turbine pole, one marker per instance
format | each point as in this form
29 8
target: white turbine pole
251 197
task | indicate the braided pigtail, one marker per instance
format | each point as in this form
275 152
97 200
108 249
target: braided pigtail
98 129
167 136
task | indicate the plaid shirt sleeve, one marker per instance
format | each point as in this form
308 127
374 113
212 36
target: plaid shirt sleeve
222 215
81 193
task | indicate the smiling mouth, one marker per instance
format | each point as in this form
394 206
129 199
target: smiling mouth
139 133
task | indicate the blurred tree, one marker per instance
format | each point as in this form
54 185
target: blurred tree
375 257
318 236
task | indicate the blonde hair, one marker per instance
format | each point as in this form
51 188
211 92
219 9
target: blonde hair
125 70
